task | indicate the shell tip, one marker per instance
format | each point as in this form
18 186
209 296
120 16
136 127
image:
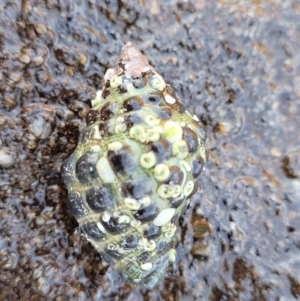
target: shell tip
132 62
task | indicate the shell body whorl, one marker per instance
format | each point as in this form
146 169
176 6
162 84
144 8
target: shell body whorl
134 169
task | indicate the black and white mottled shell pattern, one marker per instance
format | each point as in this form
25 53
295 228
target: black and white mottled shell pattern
135 169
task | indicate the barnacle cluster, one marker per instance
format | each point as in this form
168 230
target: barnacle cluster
135 169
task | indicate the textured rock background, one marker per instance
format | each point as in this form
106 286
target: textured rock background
235 64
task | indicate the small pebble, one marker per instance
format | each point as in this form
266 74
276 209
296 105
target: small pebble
25 59
7 157
38 60
40 128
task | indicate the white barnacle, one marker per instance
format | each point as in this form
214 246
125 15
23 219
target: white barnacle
96 102
143 241
171 231
180 149
165 191
111 246
172 131
158 83
124 219
119 128
158 128
116 145
132 204
101 228
161 172
177 191
116 81
152 135
151 120
145 201
202 153
189 186
151 245
116 213
109 74
135 223
120 119
137 132
166 227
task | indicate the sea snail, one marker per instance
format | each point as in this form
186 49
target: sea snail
135 169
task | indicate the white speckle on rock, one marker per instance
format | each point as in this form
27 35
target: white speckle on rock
116 145
164 217
101 228
96 133
106 217
172 255
196 118
169 99
105 171
146 266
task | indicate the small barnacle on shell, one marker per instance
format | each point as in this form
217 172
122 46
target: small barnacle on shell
134 169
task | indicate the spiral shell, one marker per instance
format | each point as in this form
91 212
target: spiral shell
134 169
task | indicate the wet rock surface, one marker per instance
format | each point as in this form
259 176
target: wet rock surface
235 64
